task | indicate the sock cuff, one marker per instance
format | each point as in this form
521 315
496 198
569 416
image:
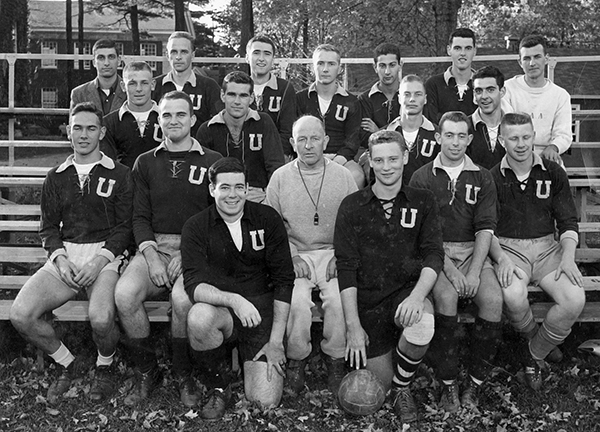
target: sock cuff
446 320
493 325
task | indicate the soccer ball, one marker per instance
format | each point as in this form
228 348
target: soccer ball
361 392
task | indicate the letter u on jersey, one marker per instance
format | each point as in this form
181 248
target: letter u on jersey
427 147
341 112
413 218
470 190
197 100
542 189
199 178
258 239
258 145
274 103
109 189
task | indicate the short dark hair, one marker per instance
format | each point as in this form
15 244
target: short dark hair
104 43
454 117
531 41
183 35
490 72
462 33
88 107
175 95
137 66
386 48
261 38
386 136
515 119
238 77
225 165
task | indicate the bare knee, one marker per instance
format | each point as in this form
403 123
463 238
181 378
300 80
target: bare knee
181 305
515 295
21 317
102 320
128 295
573 301
200 318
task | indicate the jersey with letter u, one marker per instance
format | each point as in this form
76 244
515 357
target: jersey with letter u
408 217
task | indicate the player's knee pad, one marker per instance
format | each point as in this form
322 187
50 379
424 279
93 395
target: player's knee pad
420 333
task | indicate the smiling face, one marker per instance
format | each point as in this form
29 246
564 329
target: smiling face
180 54
176 119
533 61
138 84
388 160
518 141
326 65
260 58
309 141
106 62
85 134
230 192
454 139
412 97
461 51
388 69
487 94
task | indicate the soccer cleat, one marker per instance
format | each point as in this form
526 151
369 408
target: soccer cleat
188 391
61 384
143 386
336 371
470 395
103 385
449 401
404 405
533 376
295 375
217 402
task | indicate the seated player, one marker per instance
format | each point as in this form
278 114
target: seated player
388 245
466 196
85 227
170 186
244 133
534 200
307 193
238 273
133 129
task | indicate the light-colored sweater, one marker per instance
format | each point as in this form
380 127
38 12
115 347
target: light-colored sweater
286 194
549 107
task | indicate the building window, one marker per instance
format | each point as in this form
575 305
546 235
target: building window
49 98
120 51
49 47
149 49
87 49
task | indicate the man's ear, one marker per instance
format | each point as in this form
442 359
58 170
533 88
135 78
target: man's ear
211 189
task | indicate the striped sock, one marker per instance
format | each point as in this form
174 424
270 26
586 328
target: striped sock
404 370
547 337
526 326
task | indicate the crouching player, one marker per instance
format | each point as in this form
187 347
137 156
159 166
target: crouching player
238 272
466 196
388 245
534 198
85 227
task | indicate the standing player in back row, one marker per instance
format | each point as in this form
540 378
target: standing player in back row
202 90
272 95
534 201
339 110
466 196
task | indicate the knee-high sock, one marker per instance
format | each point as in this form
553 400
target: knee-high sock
527 327
404 368
143 355
485 338
445 341
214 363
547 337
181 358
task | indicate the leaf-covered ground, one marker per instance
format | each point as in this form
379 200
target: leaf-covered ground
569 400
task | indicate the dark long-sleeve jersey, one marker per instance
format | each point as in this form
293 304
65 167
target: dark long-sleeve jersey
342 119
424 149
261 151
480 150
100 211
443 96
533 212
381 256
376 106
467 205
123 140
264 264
169 189
279 101
203 91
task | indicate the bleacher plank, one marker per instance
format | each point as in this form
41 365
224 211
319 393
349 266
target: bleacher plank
19 225
25 171
21 181
21 254
20 210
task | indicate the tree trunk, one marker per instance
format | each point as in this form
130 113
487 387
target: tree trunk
247 26
179 7
80 31
69 29
445 14
135 29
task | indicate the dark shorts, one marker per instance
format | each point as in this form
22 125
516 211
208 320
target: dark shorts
379 324
251 340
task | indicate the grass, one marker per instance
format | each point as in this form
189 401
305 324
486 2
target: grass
569 400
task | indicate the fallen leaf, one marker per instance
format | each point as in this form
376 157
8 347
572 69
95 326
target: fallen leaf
191 414
52 411
103 419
